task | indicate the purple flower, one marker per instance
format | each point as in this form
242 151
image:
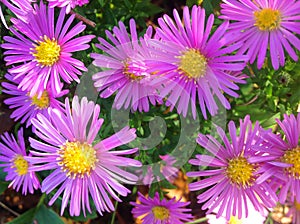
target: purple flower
81 167
263 25
27 107
19 7
69 4
232 179
125 69
14 159
156 211
41 52
283 154
191 64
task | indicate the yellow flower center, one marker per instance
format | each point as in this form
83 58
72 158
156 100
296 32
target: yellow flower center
21 165
234 220
267 19
77 159
192 64
160 213
292 156
240 171
47 52
42 102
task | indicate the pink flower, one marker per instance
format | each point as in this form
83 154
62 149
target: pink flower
264 25
14 159
41 51
82 168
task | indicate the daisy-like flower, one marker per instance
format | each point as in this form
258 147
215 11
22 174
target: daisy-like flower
19 7
264 25
26 107
125 69
284 157
191 64
232 181
82 167
69 4
156 211
14 159
41 51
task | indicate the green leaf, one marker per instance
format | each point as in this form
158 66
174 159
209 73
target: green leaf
190 3
101 2
25 218
271 121
44 215
208 7
83 218
3 186
2 174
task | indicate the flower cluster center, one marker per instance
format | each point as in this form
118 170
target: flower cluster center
21 165
42 102
160 213
77 159
292 157
193 64
267 19
240 171
47 52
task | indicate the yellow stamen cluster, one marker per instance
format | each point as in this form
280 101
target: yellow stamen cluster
42 102
192 64
21 165
292 156
240 171
47 52
77 159
160 213
267 19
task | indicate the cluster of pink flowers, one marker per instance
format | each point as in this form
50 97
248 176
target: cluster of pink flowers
182 64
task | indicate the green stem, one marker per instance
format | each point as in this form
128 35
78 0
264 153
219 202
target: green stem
41 201
198 221
114 214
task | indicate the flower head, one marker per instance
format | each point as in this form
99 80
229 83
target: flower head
234 176
263 25
81 167
190 64
69 4
41 51
283 156
14 159
163 211
27 107
125 69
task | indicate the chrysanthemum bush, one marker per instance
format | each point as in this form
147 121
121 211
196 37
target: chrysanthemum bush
115 102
